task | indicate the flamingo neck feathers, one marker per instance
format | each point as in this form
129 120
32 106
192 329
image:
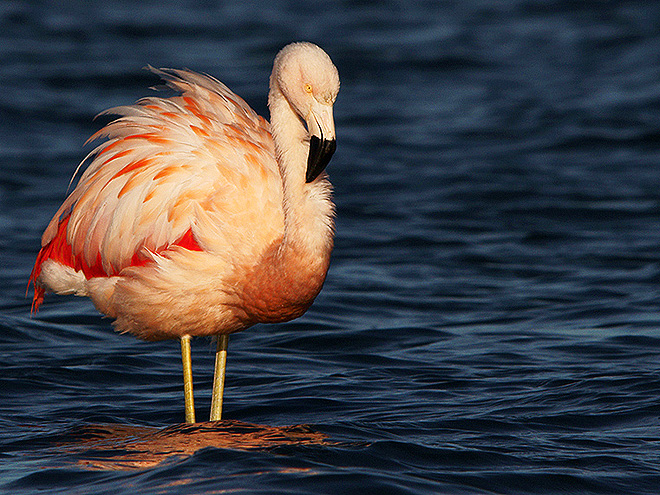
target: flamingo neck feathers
308 210
291 272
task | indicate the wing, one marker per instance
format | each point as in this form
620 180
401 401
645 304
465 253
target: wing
160 178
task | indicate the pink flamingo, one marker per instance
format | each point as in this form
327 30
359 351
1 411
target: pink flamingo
196 216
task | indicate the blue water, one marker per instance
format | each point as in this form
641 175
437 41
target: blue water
490 320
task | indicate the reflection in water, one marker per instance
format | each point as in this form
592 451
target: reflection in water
119 447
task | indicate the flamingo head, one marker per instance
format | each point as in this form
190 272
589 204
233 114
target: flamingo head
309 81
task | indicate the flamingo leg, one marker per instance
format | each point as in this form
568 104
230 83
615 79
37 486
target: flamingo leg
187 379
219 377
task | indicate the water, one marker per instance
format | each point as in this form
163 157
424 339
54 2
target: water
489 323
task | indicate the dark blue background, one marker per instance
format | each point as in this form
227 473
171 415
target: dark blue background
489 323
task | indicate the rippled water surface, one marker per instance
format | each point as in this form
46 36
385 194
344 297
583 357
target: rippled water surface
489 323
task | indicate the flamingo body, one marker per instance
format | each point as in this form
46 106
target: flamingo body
195 216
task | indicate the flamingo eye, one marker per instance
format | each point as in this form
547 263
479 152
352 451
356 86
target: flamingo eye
308 88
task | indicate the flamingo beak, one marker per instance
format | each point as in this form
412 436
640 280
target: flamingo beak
322 142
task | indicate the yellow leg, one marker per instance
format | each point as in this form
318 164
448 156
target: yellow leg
187 379
219 377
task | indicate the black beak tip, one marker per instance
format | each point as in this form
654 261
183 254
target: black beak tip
320 153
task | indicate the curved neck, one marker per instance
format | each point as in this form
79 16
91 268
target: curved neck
308 210
291 272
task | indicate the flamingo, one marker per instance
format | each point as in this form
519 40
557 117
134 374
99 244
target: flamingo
197 217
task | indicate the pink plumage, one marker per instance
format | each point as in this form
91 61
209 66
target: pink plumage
196 216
